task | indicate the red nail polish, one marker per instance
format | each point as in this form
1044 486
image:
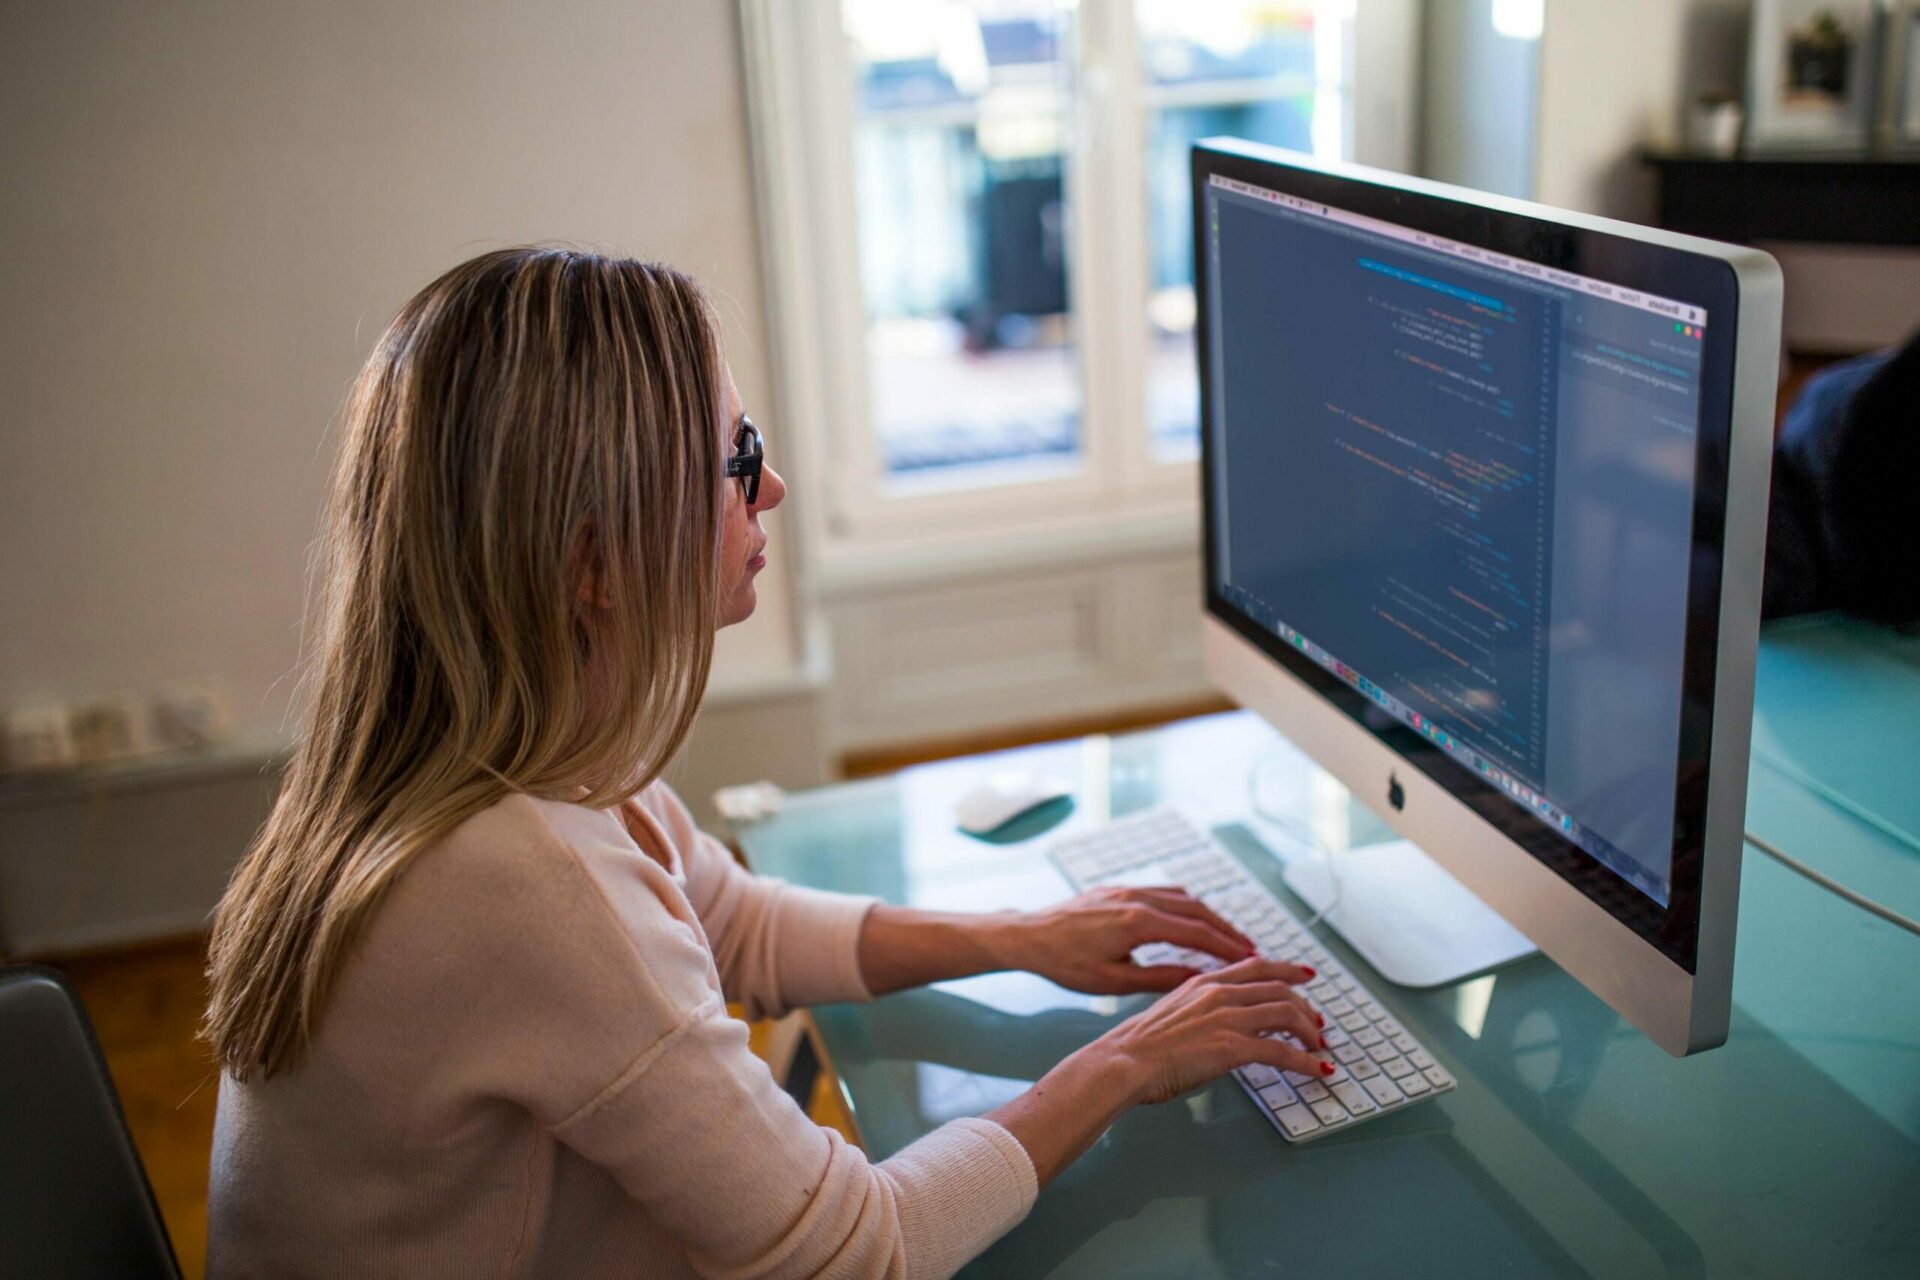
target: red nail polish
1309 971
1323 1042
1320 1018
1326 1068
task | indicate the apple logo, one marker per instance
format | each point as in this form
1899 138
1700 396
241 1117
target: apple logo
1396 794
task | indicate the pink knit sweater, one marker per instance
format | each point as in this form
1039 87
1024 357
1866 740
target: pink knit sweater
525 1068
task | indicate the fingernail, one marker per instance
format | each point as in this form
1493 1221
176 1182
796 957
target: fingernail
1310 971
1320 1018
1323 1042
1326 1068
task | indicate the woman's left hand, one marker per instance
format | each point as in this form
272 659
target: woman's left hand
1086 944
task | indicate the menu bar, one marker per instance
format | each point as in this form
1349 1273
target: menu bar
1681 312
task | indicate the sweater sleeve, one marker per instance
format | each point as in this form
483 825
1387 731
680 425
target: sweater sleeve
777 945
536 958
698 1133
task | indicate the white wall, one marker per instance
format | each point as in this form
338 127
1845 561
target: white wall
1480 94
211 211
1617 75
1611 81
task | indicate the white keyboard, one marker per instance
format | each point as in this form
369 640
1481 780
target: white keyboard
1378 1065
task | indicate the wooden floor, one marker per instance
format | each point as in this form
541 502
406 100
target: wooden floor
146 1006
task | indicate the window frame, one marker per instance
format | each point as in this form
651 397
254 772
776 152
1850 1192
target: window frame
802 112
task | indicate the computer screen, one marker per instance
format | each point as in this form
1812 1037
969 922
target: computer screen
1459 486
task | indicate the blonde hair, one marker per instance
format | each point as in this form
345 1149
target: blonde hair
534 419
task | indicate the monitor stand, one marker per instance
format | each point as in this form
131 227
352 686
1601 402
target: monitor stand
1406 916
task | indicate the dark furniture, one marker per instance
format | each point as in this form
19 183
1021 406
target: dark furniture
74 1198
1820 198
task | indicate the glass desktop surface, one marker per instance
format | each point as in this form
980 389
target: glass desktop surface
1573 1145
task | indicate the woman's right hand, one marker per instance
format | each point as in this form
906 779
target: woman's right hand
1205 1027
1217 1021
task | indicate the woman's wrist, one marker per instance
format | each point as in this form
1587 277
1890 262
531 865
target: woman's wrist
902 947
1006 940
1067 1110
1116 1078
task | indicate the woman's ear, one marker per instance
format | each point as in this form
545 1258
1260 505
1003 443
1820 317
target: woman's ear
587 571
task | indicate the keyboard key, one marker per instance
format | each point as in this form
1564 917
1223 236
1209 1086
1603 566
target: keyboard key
1260 1075
1329 1112
1353 1097
1277 1096
1296 1120
1383 1091
1378 1064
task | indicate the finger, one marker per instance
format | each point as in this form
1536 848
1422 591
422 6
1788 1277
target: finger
1265 969
1159 926
1282 1017
1180 902
1130 978
1256 993
1286 1057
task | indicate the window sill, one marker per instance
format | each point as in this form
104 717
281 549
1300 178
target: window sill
849 569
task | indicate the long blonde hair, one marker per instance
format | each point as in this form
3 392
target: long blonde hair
533 417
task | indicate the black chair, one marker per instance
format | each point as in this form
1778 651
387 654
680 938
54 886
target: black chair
74 1198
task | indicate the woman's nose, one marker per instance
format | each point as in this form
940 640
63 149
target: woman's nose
772 490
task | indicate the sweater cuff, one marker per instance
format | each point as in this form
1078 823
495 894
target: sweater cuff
820 956
970 1182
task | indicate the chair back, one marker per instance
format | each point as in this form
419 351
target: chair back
74 1198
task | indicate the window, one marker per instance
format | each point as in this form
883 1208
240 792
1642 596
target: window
962 115
978 224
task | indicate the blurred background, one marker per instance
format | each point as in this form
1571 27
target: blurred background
950 240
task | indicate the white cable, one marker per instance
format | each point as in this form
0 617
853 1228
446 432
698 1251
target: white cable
1832 886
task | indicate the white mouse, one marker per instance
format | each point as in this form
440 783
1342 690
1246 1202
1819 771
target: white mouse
1002 798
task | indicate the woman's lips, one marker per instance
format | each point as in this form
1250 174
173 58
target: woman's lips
759 560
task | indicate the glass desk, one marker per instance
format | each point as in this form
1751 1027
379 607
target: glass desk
1573 1145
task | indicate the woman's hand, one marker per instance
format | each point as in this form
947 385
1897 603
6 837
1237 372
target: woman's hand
1213 1023
1218 1021
1087 943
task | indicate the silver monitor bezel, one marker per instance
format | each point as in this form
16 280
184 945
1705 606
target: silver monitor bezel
1684 1012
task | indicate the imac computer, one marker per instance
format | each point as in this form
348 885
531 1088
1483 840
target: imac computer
1485 490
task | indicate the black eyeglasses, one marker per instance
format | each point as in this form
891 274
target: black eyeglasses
749 450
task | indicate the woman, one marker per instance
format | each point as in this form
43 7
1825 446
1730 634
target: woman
468 985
